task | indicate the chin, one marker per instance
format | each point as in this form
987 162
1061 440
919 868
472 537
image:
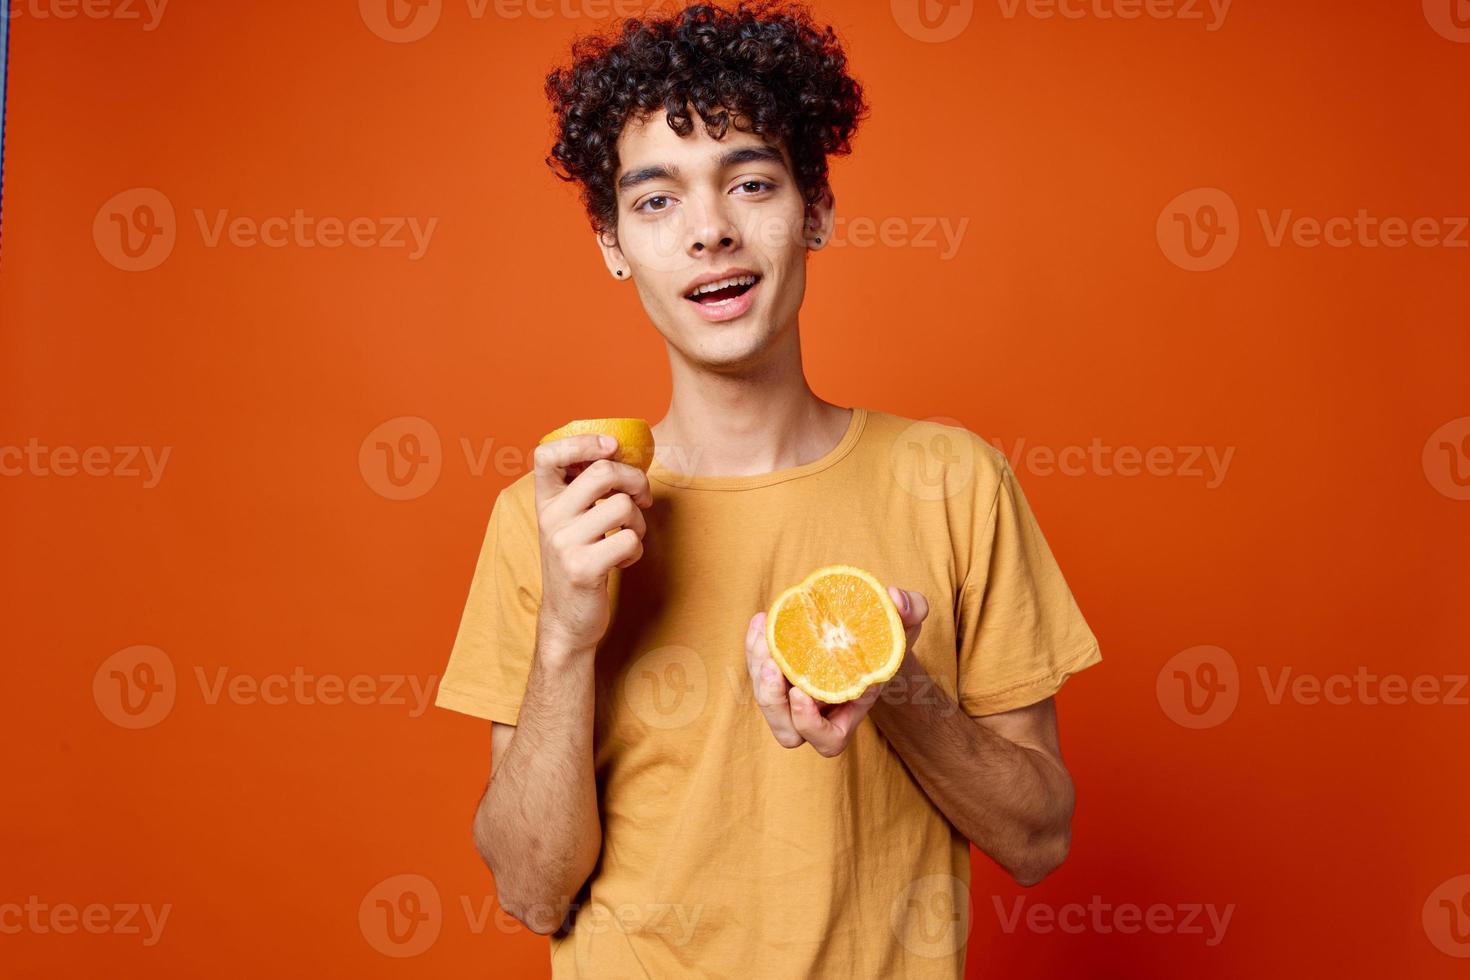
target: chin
727 345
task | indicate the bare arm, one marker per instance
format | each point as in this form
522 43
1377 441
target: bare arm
998 779
537 825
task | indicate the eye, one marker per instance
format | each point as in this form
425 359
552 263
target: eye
649 207
757 184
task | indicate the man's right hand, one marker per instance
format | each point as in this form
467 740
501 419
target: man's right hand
573 476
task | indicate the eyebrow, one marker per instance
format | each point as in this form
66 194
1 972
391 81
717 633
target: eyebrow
731 158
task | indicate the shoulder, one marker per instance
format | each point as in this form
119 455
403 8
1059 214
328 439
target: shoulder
938 456
522 490
515 504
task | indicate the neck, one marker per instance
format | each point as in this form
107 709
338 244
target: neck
746 422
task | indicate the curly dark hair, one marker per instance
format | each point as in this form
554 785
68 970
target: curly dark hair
764 63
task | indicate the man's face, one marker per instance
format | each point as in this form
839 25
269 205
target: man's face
693 208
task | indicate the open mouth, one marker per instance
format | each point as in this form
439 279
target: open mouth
715 295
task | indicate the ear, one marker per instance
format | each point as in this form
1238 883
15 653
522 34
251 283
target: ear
821 218
612 256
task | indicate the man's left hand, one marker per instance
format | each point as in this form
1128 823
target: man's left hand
794 716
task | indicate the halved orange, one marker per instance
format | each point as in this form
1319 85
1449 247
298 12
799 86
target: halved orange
835 633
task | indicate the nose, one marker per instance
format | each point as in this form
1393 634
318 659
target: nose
710 225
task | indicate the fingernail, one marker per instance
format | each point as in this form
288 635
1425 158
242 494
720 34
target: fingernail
607 442
903 600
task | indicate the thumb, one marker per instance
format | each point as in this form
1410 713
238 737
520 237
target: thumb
912 609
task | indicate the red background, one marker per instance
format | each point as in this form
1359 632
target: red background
1061 319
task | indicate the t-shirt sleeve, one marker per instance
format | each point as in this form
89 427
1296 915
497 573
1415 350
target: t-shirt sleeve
1019 631
491 657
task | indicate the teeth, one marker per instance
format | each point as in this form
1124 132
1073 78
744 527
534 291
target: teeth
710 287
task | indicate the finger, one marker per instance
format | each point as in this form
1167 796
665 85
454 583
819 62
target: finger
810 724
621 549
756 651
607 476
608 514
612 517
768 683
551 460
912 610
601 479
844 717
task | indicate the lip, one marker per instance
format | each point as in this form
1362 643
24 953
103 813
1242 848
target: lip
731 308
716 277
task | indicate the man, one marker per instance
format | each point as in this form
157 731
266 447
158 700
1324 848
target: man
661 801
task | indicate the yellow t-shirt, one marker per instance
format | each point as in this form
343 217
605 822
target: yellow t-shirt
724 854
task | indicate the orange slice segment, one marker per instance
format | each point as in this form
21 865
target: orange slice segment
835 633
